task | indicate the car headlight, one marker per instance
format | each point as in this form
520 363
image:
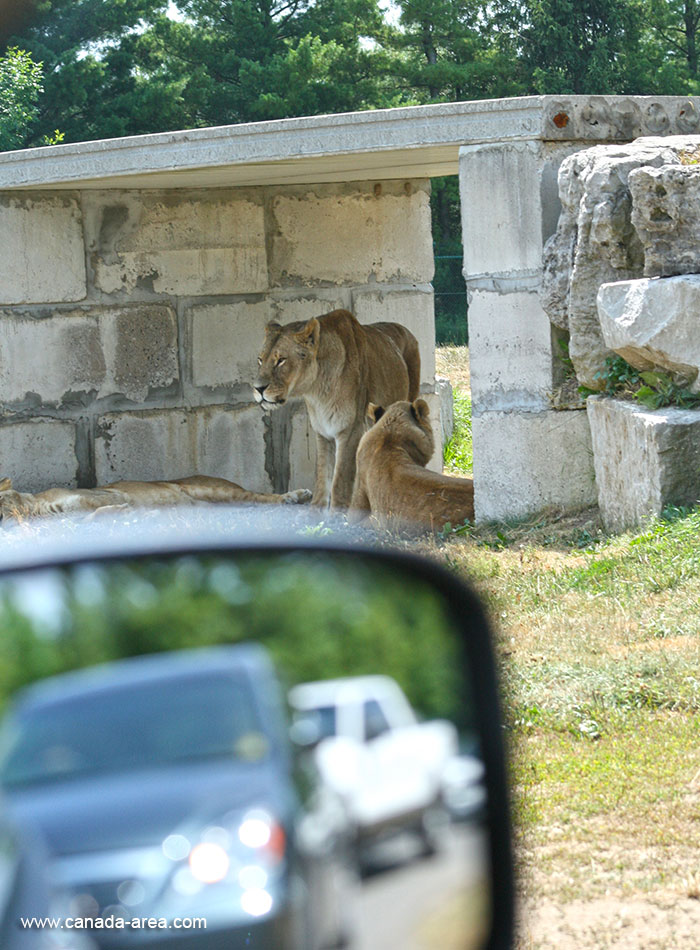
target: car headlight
209 862
245 851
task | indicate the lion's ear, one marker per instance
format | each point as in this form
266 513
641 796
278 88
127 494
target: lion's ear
5 484
420 410
309 333
374 413
272 328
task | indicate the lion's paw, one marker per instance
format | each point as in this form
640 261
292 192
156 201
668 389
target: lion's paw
300 496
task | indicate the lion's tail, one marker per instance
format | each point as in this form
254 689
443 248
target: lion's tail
412 357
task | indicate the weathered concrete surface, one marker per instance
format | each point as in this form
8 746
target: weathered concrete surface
174 301
225 341
42 256
414 308
197 244
526 457
291 307
503 185
643 460
435 463
443 387
666 216
124 351
408 142
510 351
173 443
526 461
38 454
603 237
344 235
654 323
302 451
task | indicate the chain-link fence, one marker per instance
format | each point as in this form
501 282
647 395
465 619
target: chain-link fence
450 300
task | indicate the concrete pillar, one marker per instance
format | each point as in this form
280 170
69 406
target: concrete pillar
527 455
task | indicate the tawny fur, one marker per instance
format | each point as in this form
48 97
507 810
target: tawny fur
181 491
392 483
338 366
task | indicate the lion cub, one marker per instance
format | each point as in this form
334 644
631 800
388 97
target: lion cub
392 482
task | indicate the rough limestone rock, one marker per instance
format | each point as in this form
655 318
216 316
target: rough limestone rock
596 241
654 323
643 460
666 216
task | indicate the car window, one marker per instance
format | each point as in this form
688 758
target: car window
321 721
135 726
375 720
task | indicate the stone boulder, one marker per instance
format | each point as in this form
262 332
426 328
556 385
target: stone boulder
654 323
666 217
596 240
643 460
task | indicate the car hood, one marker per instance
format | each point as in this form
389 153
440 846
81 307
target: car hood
140 809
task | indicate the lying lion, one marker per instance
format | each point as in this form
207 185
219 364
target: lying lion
338 366
392 483
181 491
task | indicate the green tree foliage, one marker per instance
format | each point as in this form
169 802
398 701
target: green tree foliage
450 50
676 31
578 46
127 67
95 86
247 60
20 88
448 282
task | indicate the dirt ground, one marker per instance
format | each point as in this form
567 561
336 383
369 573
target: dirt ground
665 922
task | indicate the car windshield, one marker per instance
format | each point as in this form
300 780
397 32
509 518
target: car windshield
135 726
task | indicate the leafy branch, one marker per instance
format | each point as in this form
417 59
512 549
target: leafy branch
654 389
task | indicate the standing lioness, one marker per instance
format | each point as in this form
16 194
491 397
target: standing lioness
338 366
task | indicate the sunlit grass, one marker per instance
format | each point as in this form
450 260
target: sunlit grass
598 646
457 454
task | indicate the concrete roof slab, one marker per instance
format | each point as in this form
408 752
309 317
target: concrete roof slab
415 142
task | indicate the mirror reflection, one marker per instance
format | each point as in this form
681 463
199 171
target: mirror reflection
260 750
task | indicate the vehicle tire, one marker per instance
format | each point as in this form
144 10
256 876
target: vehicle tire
432 830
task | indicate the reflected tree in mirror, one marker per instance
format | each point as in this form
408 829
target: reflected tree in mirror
349 636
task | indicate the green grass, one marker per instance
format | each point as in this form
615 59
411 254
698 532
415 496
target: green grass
457 454
598 644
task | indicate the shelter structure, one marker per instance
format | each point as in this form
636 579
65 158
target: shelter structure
137 275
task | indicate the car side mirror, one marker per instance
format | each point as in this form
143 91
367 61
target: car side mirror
180 649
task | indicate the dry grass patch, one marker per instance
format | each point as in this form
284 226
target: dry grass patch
453 362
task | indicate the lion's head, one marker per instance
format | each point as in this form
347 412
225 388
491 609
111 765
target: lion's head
287 363
406 424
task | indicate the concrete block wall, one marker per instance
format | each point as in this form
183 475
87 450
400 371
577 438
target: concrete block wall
527 455
131 321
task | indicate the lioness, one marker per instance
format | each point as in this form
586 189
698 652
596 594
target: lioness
337 365
392 483
181 491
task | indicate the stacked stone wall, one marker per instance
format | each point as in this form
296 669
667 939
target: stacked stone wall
130 321
523 446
